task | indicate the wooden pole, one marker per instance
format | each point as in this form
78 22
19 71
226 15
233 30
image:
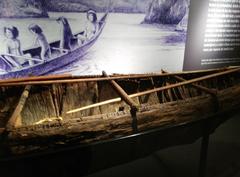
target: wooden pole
57 79
202 88
6 61
128 100
121 93
95 105
12 123
36 78
155 90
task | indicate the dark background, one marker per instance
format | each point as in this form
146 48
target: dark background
182 161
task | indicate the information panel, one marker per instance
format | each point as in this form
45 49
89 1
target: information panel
213 34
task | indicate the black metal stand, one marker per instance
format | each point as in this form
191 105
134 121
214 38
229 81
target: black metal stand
203 155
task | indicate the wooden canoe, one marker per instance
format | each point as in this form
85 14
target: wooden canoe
34 117
59 59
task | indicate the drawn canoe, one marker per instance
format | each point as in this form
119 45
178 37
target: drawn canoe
59 59
37 115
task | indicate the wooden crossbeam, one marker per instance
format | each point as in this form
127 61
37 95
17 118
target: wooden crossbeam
12 122
121 92
128 100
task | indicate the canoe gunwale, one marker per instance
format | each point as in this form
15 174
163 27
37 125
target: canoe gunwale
68 79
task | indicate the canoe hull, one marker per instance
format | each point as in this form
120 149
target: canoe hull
49 66
104 127
177 115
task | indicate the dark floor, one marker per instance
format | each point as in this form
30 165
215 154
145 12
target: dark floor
182 161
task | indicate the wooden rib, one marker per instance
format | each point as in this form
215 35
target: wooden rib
174 90
156 90
163 97
121 92
181 92
46 80
12 123
202 88
154 86
169 93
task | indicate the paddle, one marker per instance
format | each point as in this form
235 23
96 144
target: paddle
6 61
24 57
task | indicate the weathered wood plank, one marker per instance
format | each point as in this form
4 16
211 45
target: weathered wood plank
78 95
146 84
40 105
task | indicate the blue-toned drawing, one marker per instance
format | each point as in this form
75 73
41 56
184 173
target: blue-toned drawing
44 37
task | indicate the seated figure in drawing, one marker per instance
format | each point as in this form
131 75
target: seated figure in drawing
90 29
13 46
66 33
14 54
41 40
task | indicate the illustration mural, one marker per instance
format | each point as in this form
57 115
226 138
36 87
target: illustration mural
85 37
